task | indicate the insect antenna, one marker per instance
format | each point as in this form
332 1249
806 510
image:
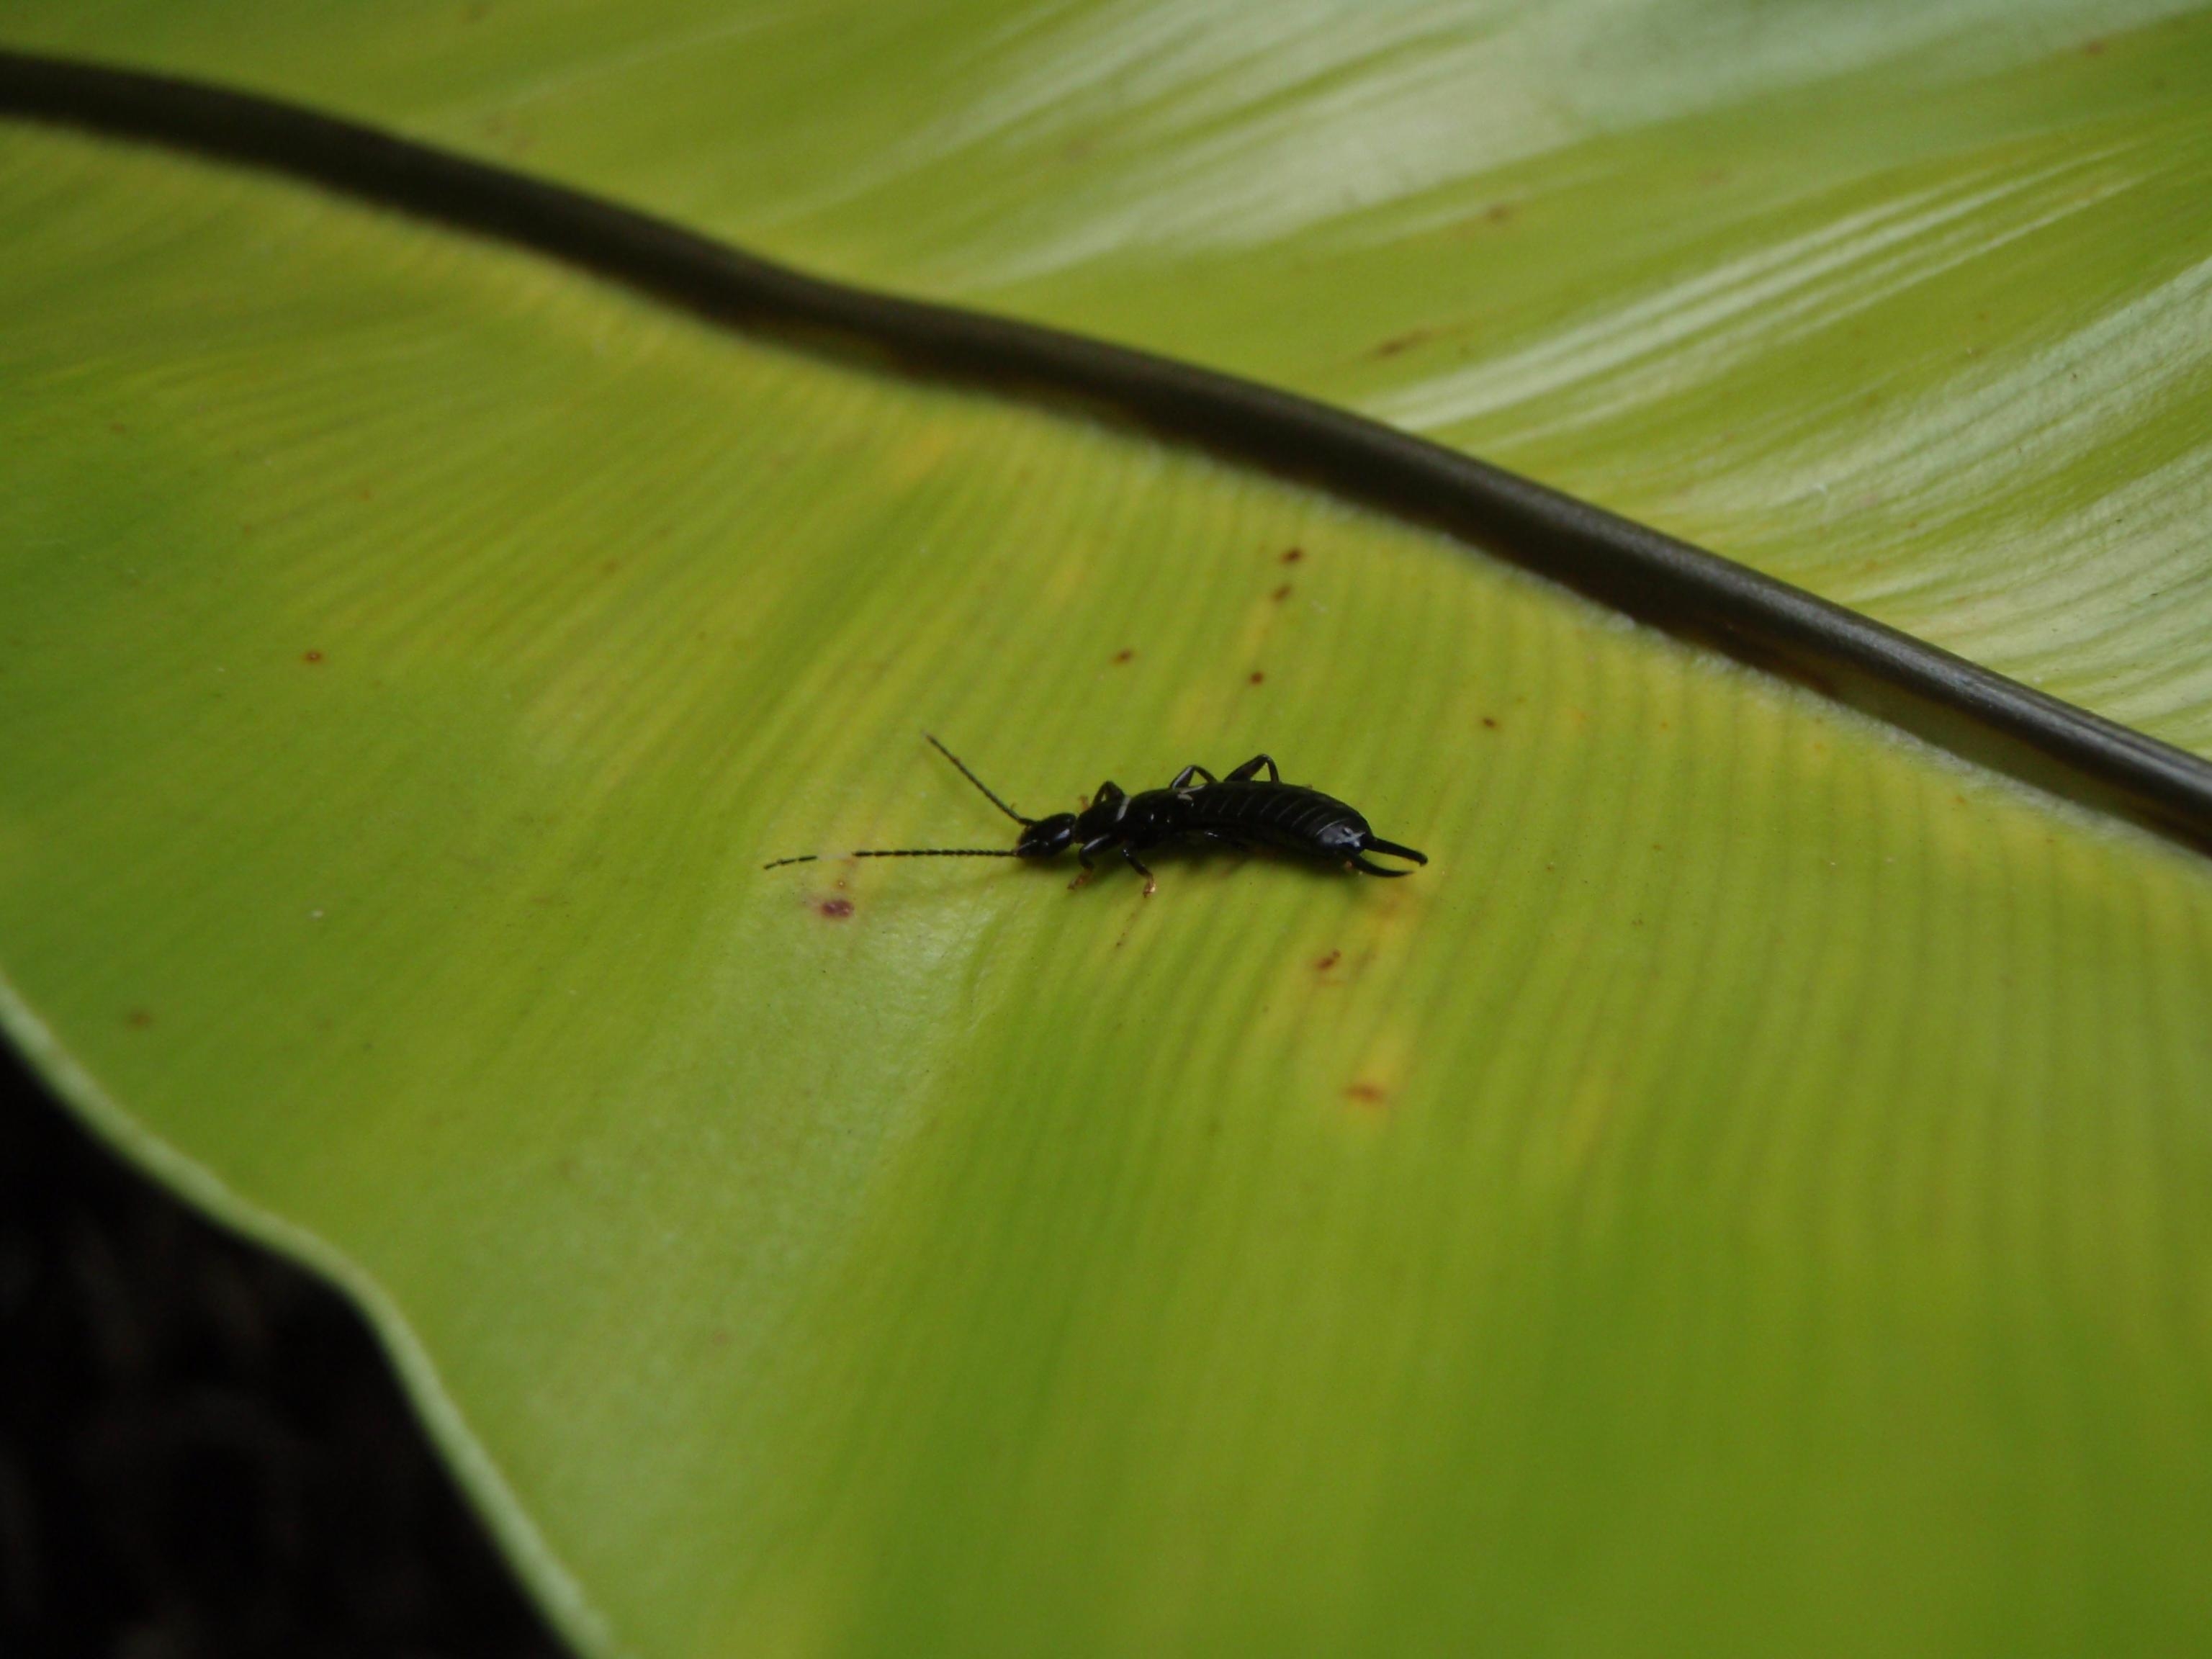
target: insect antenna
978 782
907 853
931 852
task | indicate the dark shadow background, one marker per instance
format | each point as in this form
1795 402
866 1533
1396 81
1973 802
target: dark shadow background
203 1451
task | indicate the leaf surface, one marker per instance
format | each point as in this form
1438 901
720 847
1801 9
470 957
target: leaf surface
1750 1194
1905 301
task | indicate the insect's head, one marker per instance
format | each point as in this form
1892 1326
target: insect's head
1045 838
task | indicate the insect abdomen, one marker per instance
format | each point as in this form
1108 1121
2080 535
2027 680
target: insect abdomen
1284 814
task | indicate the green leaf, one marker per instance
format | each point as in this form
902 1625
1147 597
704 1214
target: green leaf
1751 1193
1904 301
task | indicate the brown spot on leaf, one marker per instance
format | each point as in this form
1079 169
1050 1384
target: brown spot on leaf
1499 213
311 656
137 1019
1406 342
1322 965
1367 1094
1124 653
1490 720
1255 678
837 909
1281 593
2092 48
1292 555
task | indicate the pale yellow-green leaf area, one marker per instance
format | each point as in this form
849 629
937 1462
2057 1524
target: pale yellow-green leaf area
1908 302
1751 1193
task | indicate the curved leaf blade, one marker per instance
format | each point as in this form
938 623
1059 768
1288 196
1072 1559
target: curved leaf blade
418 650
1903 303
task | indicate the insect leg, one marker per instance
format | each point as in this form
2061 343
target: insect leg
1251 769
1184 776
1083 857
1129 852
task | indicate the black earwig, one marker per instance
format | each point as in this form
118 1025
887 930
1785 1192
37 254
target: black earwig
1235 810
